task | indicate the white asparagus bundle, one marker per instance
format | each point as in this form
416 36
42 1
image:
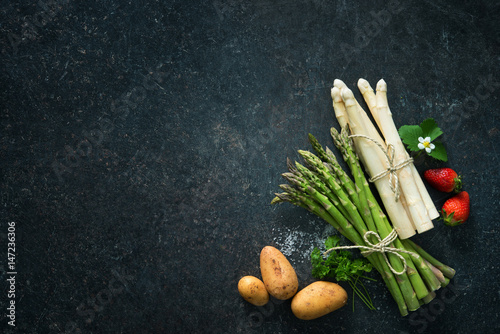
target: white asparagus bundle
409 206
371 100
372 157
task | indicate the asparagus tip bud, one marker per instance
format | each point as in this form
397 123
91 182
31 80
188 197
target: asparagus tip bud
364 86
276 200
347 96
339 84
290 165
336 95
334 132
314 142
382 85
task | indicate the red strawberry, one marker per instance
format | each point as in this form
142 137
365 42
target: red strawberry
456 210
444 179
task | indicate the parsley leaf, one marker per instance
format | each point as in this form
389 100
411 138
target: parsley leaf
320 270
332 241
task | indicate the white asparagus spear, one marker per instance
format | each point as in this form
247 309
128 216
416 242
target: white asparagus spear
370 99
375 162
416 206
339 108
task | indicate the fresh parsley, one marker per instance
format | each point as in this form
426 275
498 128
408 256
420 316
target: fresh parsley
410 135
340 265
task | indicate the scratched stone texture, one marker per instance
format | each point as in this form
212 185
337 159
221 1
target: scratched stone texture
142 142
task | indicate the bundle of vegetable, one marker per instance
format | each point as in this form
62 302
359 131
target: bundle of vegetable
401 189
347 203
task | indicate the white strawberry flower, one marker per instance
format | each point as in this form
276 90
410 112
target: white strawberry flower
425 143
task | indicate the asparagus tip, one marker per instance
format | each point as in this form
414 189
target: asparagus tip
303 152
382 85
364 86
339 84
347 95
335 92
276 200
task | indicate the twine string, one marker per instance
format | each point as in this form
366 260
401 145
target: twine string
383 247
392 169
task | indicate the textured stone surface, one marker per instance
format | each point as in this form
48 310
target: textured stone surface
142 142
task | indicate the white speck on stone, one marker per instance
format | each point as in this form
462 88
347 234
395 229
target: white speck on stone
299 244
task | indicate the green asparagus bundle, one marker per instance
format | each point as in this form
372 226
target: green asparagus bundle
346 202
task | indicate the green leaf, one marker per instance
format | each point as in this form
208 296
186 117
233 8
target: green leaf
316 256
319 270
430 129
359 266
439 152
409 135
332 241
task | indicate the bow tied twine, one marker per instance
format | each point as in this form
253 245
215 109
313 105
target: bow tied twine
383 247
392 169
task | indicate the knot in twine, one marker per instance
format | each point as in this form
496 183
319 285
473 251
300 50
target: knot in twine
392 169
381 247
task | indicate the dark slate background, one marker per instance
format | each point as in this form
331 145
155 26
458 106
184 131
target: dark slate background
142 142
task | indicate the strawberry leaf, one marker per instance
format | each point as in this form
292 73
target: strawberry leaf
409 135
439 152
430 129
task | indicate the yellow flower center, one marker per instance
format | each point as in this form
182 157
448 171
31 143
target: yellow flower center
427 143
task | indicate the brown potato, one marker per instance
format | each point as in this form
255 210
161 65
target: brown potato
278 274
318 299
253 290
